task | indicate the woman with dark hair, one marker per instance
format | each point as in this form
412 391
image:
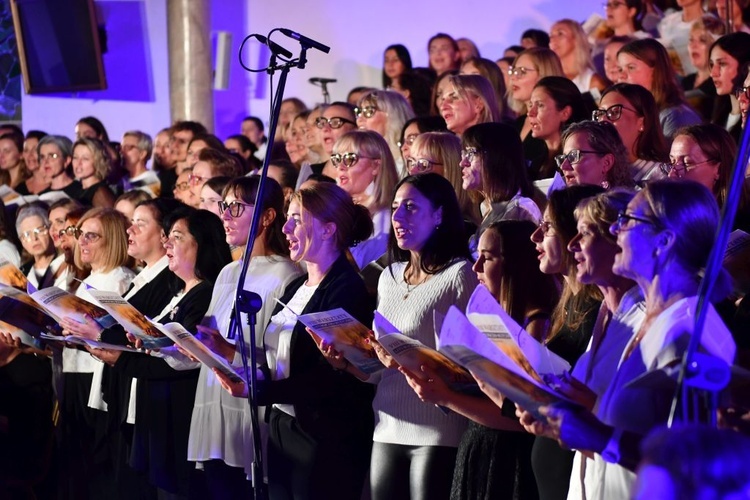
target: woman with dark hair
429 271
444 53
91 166
729 56
706 154
36 183
396 62
646 62
593 153
555 103
494 456
92 128
665 235
632 110
417 89
12 166
220 430
8 243
321 418
415 126
494 174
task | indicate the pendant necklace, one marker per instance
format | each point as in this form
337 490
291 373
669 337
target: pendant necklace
410 288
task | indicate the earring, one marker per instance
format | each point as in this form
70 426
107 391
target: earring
605 184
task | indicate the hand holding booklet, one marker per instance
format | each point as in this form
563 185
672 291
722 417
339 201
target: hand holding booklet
131 319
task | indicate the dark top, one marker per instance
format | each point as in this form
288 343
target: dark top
164 402
168 179
700 98
333 407
74 190
534 151
101 191
552 465
22 189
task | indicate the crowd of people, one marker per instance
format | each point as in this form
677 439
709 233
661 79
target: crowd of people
579 178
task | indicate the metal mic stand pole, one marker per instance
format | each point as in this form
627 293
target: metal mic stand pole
698 371
326 95
249 302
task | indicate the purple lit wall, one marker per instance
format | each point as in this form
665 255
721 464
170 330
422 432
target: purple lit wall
137 62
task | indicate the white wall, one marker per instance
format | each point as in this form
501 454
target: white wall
357 32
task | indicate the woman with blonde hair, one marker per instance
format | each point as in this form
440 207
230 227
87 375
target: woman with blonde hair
91 166
491 71
568 40
385 113
467 100
440 152
366 170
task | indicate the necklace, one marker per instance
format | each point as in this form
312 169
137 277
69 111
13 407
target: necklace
410 288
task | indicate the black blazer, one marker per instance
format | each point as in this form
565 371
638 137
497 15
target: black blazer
330 405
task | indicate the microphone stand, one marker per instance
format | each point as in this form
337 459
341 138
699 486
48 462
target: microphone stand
250 302
701 376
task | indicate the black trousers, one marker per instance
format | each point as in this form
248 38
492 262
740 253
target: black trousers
400 472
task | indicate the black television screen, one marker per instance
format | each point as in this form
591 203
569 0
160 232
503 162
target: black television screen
58 45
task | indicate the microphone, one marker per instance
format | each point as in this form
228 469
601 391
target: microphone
275 47
305 41
321 81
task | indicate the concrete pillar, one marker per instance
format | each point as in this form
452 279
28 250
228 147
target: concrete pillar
190 68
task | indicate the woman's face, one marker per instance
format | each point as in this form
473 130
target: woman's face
34 236
194 150
378 122
469 68
489 265
52 161
67 242
30 155
210 200
295 141
392 65
636 241
611 65
721 9
524 77
471 169
304 233
443 56
410 134
202 172
593 253
356 178
312 140
690 162
233 145
422 162
549 246
629 125
145 236
10 156
57 223
84 130
561 40
459 112
544 117
182 250
633 70
126 208
237 228
723 70
413 218
83 163
699 42
591 168
182 191
328 134
92 243
618 14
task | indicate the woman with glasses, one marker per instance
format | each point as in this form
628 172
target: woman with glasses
365 169
66 244
593 153
729 56
182 191
33 229
385 113
91 166
494 174
55 158
568 40
466 100
647 63
633 112
440 152
415 126
335 120
211 163
572 321
706 154
221 439
555 102
665 235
